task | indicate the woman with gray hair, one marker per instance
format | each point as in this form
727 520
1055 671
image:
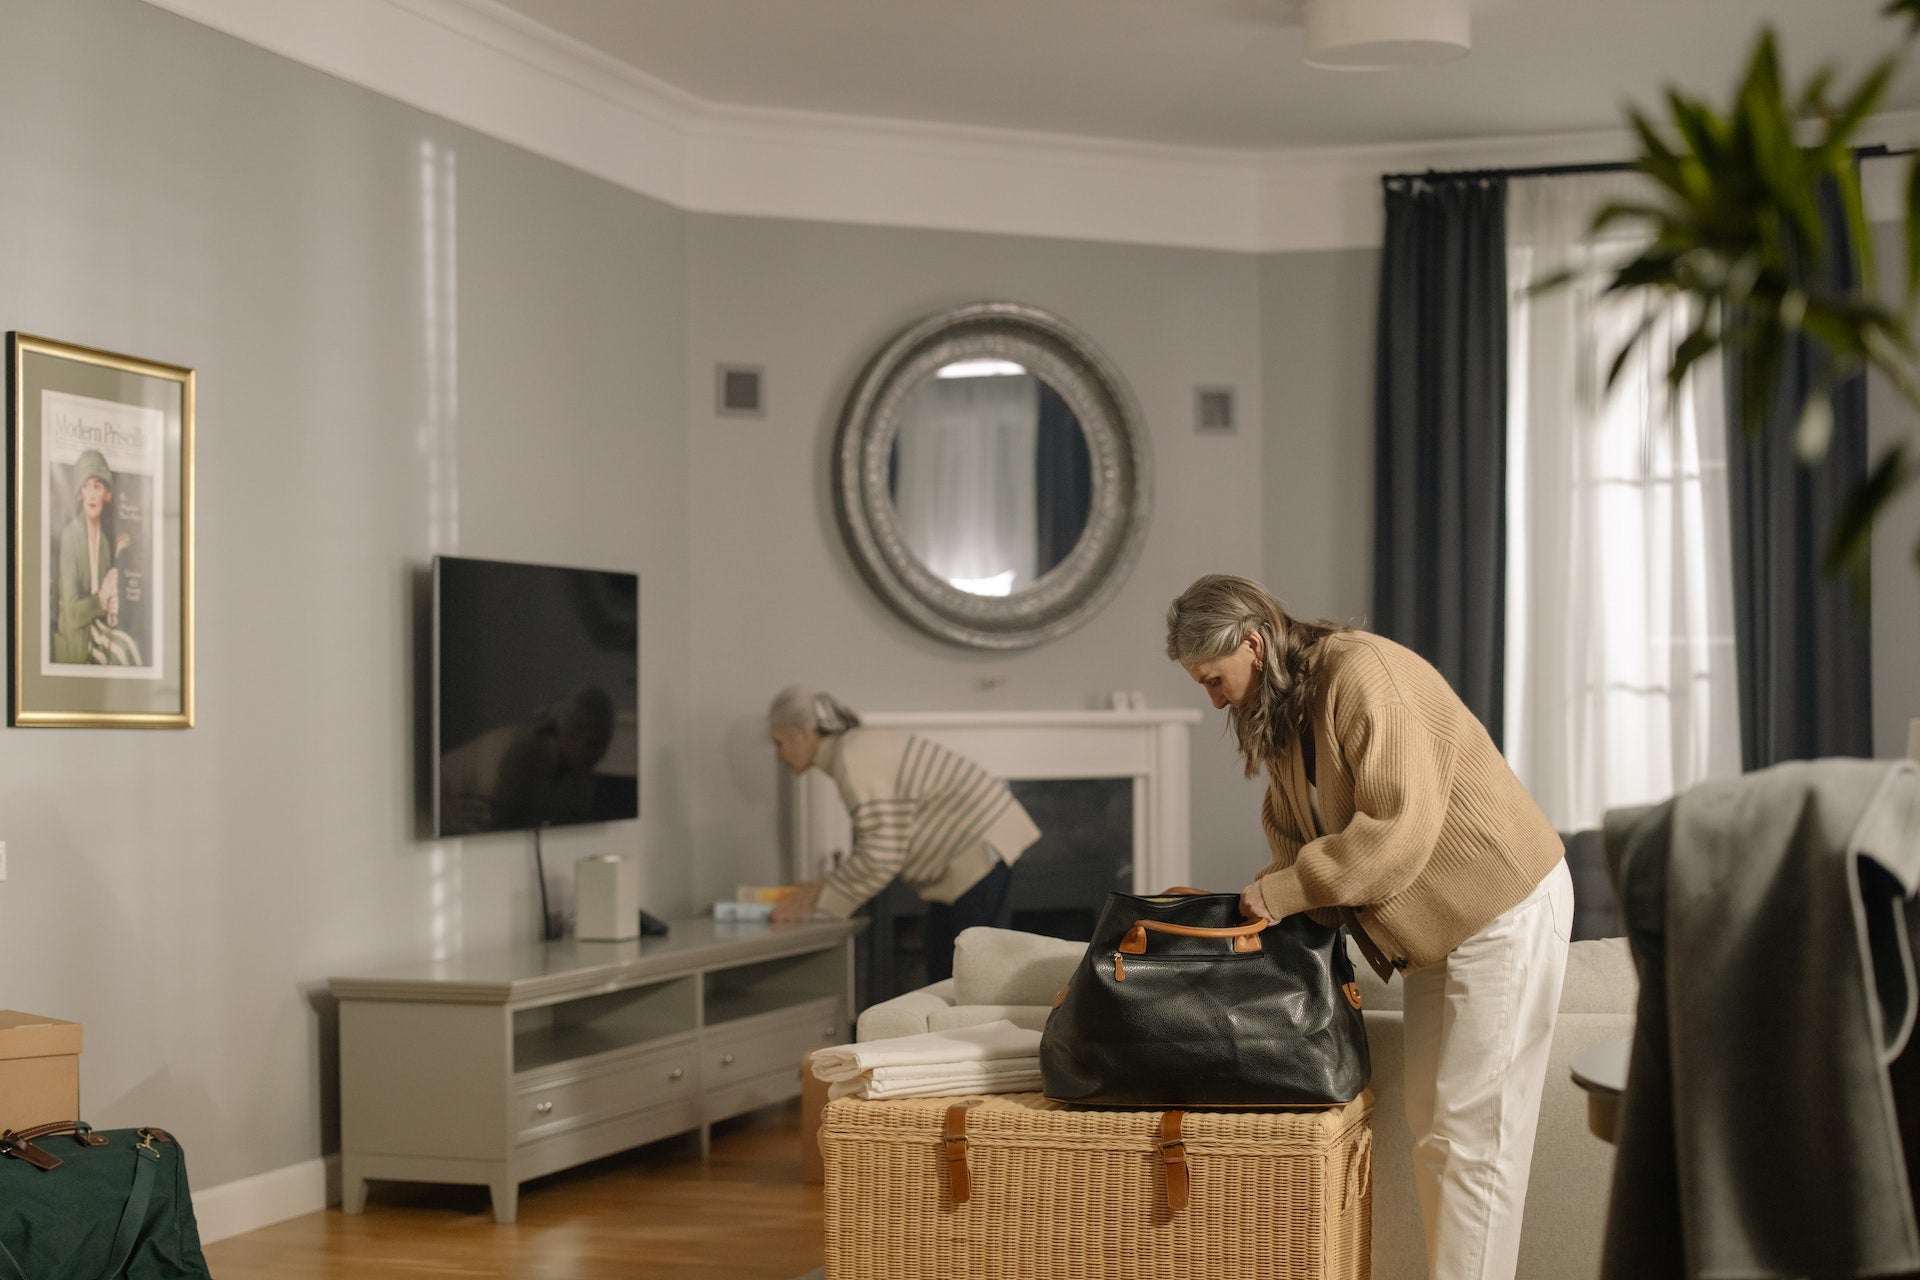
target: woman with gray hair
920 812
1389 809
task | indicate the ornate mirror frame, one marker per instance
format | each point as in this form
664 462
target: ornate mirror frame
1070 592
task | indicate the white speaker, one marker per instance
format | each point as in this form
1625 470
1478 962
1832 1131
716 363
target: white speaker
606 898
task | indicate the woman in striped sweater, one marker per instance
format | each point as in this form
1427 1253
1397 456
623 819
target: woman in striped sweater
1388 808
933 818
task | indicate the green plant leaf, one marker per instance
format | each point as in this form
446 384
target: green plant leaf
1815 429
1842 125
1699 128
1850 543
1632 344
1813 99
1764 351
1909 9
1913 228
1627 211
1656 159
1859 234
1699 343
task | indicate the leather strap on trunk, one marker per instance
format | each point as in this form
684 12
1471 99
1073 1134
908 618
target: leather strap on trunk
1173 1160
1172 1148
954 1140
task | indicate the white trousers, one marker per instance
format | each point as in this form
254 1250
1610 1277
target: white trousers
1478 1025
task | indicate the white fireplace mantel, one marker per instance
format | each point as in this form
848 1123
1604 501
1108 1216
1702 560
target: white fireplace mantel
1150 747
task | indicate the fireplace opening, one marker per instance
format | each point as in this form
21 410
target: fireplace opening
1085 851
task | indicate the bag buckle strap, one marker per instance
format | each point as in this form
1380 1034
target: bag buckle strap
21 1147
1173 1160
953 1140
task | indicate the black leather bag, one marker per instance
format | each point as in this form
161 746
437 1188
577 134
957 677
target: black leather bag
1180 1002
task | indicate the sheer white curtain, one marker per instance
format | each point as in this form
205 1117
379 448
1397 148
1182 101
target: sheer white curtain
964 479
1620 684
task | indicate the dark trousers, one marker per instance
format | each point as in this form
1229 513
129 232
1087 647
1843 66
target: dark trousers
987 903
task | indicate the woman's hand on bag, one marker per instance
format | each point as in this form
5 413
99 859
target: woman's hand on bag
1253 906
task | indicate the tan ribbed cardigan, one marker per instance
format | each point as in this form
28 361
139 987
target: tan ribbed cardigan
1427 834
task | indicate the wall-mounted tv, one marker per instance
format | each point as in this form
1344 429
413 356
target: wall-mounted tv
535 718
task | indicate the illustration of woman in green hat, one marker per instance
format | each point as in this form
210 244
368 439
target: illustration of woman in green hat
86 626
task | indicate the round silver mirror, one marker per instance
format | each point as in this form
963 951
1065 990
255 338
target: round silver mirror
991 476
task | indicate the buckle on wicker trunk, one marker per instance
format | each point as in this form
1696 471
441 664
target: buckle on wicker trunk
1173 1160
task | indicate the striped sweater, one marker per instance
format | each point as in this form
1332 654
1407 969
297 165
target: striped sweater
1427 835
920 812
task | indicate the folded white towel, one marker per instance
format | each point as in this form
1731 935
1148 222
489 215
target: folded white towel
939 1080
985 1042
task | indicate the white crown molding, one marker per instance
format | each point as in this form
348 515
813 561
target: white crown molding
484 66
788 164
481 66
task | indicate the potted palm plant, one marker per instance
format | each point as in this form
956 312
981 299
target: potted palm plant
1733 221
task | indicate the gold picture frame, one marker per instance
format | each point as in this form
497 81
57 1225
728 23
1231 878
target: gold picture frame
100 581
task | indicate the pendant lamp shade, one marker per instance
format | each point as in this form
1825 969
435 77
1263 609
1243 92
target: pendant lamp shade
1368 35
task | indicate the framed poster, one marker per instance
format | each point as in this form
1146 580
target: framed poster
101 577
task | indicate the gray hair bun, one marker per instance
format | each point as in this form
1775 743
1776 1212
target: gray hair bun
798 707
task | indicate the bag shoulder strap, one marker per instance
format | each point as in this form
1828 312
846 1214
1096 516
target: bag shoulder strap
146 1160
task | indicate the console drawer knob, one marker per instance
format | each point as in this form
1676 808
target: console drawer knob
726 1059
542 1108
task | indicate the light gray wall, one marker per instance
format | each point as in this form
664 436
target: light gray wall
776 598
1316 327
409 339
1896 575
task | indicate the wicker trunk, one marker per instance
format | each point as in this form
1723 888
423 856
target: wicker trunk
1039 1191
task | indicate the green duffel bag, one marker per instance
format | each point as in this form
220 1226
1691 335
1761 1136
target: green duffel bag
81 1205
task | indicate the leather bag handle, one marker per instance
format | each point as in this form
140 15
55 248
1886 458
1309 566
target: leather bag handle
1246 937
19 1143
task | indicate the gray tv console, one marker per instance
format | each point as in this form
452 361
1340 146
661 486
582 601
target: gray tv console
493 1067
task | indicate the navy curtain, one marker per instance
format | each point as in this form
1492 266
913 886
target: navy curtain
1063 479
1801 642
1440 423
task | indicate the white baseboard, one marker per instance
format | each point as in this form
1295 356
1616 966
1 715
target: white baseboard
235 1208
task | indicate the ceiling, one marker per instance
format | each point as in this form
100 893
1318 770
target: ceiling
1207 73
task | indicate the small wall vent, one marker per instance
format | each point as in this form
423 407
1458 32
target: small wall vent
740 391
1213 411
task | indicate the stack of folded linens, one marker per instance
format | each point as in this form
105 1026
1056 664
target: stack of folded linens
993 1057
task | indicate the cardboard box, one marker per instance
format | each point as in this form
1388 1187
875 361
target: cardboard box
39 1069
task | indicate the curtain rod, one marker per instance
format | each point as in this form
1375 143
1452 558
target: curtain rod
1874 152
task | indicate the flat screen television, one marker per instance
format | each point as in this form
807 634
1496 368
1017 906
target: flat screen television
535 718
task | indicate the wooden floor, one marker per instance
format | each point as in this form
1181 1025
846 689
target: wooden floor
658 1211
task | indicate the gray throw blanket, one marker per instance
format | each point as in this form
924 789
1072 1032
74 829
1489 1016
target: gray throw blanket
1771 919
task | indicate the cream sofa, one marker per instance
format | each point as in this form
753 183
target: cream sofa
1006 974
